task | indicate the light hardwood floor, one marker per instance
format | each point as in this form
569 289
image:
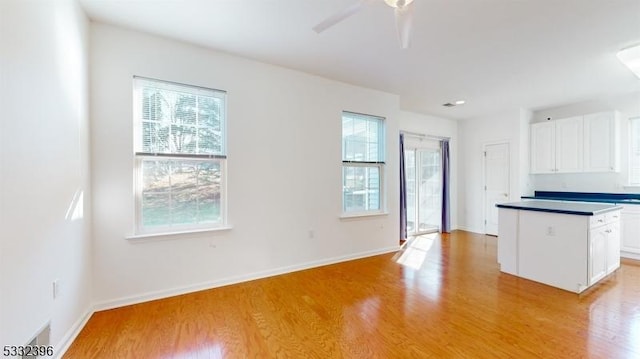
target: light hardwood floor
442 297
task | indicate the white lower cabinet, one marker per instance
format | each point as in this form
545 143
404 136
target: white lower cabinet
631 231
613 246
604 249
571 252
597 254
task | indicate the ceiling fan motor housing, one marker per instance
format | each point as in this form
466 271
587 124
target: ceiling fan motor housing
398 3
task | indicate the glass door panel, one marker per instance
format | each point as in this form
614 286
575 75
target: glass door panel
429 192
423 178
410 173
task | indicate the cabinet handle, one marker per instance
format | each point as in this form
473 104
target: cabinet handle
601 220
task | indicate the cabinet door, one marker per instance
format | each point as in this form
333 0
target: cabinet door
597 254
613 246
543 147
569 144
631 231
601 142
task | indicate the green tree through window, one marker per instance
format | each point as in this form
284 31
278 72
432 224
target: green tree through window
180 156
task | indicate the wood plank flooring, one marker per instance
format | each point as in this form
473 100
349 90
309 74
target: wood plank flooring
442 297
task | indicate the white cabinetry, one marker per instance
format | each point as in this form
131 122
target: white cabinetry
543 147
566 251
556 146
631 231
604 246
601 136
613 246
588 143
569 144
597 254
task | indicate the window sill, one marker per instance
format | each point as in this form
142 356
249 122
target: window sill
168 235
363 215
632 186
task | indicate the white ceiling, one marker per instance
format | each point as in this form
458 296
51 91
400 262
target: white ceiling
495 54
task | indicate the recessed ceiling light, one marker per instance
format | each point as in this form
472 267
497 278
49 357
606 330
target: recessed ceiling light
460 102
631 58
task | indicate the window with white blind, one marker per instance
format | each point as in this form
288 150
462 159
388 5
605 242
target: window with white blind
634 151
180 156
363 156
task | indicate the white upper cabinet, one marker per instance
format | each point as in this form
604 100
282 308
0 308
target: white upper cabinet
543 147
556 146
601 138
588 143
569 144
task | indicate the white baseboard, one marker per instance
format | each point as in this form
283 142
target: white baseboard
470 229
630 255
64 343
149 296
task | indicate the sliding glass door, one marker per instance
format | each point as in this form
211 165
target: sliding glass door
424 188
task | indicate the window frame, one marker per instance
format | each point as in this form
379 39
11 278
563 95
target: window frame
139 156
380 165
634 143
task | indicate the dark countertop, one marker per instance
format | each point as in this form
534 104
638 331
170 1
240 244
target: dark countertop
620 198
575 208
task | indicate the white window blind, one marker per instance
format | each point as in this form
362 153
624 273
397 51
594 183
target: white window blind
634 151
180 155
363 138
363 156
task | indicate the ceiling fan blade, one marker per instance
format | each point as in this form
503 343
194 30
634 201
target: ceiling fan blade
339 16
404 17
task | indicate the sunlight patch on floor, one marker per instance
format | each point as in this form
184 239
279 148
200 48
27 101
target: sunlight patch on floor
415 250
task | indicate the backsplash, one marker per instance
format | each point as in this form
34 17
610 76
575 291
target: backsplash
587 195
581 182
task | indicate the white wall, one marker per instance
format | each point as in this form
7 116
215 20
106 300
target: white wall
629 107
284 171
436 126
513 126
44 166
507 126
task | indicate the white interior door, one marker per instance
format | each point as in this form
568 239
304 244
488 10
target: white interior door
496 183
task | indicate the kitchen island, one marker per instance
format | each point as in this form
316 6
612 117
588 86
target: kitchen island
629 220
568 245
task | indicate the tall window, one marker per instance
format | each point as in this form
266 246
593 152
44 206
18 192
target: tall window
180 156
363 150
634 151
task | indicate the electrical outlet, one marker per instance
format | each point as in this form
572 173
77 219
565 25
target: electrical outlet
551 231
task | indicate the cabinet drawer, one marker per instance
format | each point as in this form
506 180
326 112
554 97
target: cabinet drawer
598 220
613 216
604 218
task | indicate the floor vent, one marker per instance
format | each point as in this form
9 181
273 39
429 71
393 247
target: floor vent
40 339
